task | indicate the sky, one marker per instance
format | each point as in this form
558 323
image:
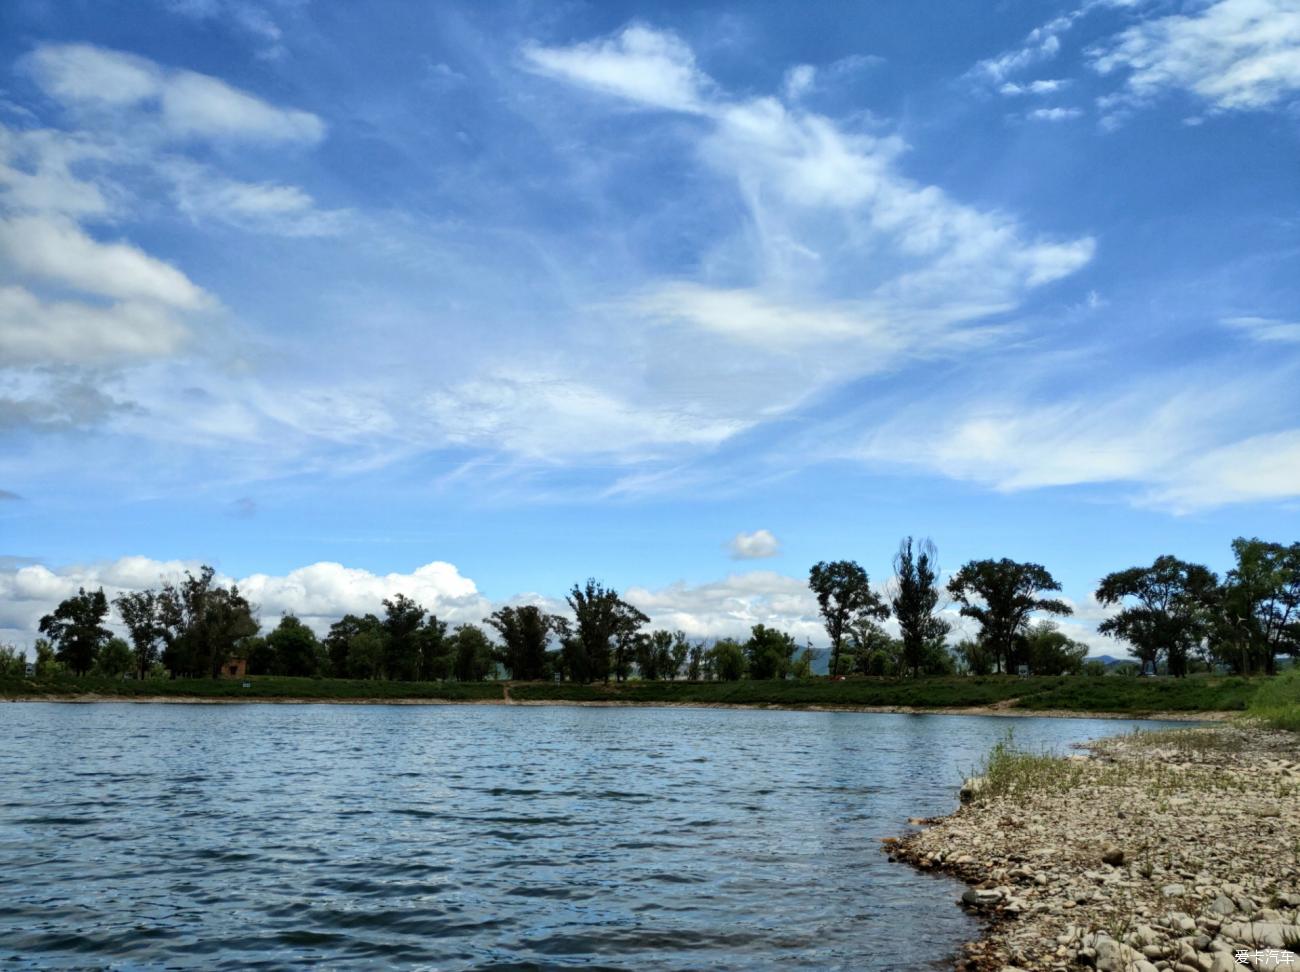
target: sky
474 301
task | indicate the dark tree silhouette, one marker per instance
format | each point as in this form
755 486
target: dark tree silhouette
1169 609
76 627
1001 595
845 597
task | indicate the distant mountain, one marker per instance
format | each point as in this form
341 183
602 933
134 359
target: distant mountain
1111 660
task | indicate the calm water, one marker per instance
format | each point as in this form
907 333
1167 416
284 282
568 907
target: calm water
484 837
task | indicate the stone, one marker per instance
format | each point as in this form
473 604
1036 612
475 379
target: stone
971 788
1173 890
1223 905
1224 962
981 897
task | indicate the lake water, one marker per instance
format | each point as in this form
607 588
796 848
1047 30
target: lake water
483 837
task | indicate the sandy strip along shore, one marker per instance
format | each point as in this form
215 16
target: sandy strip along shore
1159 851
992 710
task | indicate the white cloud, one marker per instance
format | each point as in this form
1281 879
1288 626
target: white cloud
546 416
643 65
54 248
1055 114
1043 86
1257 469
319 594
799 80
36 331
843 266
185 104
1267 330
1234 54
36 173
730 607
263 207
1180 449
753 546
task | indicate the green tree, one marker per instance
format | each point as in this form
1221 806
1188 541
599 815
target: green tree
1001 595
1048 651
76 627
1258 616
769 652
677 655
115 659
872 650
526 633
294 647
47 662
844 596
202 623
435 652
402 621
474 658
1168 609
139 612
12 664
258 655
728 660
338 644
661 654
802 667
607 627
915 598
695 662
977 659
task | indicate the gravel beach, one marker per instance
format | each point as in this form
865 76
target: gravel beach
1175 850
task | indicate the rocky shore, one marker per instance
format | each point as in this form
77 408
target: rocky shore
1161 851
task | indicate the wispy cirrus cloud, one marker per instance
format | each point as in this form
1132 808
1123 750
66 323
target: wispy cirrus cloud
1234 55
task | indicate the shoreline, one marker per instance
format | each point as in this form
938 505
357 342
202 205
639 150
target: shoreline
1172 851
996 709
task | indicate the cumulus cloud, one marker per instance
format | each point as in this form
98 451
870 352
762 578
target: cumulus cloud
730 607
753 546
36 331
319 594
184 104
1236 55
56 249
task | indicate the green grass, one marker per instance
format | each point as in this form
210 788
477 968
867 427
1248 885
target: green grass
1198 693
1277 703
1087 694
260 687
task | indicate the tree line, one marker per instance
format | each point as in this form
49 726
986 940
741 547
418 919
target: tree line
1172 613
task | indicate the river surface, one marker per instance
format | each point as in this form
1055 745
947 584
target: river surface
478 837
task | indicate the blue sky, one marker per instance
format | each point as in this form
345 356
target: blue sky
477 300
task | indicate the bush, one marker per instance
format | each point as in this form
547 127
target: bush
1277 701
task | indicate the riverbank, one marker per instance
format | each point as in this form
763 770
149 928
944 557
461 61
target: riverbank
1120 697
979 710
1154 851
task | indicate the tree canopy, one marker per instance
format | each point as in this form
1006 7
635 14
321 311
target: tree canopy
1001 595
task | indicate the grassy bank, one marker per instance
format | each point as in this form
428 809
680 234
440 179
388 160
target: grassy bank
260 687
1277 703
1077 693
1082 693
